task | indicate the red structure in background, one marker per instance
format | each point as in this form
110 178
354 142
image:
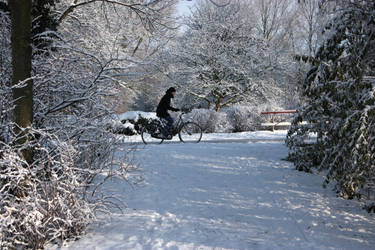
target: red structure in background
277 119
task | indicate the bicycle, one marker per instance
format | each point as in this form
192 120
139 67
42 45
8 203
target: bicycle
187 131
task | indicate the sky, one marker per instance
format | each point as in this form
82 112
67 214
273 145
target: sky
184 5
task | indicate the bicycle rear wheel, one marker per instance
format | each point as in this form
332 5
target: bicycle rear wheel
147 134
190 132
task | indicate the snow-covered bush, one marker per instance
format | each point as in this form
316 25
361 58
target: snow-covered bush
41 202
131 122
209 120
248 117
52 199
117 127
244 118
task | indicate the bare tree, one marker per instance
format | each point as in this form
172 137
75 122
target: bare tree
311 20
274 18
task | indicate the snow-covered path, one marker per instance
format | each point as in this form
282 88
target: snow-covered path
229 196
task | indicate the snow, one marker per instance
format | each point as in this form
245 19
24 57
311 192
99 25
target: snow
184 6
229 196
134 115
127 124
277 135
254 135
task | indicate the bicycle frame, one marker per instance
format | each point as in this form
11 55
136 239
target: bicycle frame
176 126
179 123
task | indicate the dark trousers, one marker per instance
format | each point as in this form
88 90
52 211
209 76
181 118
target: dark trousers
169 124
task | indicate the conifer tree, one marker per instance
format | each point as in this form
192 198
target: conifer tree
339 104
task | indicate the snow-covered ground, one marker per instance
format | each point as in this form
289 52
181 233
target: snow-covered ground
229 196
277 135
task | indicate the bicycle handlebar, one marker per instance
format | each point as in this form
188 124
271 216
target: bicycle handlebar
185 111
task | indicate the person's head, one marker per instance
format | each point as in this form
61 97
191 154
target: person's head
171 91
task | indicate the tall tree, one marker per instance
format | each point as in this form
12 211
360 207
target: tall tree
339 103
21 66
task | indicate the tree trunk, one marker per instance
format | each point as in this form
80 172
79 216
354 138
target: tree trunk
218 104
21 66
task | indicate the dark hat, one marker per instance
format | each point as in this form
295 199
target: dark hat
171 89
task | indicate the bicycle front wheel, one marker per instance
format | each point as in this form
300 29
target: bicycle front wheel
190 132
147 138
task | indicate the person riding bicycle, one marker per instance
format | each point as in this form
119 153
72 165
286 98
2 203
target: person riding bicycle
163 107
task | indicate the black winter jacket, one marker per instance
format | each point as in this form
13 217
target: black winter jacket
165 105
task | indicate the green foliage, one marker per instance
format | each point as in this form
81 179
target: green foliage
339 105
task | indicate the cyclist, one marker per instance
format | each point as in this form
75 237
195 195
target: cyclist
162 110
